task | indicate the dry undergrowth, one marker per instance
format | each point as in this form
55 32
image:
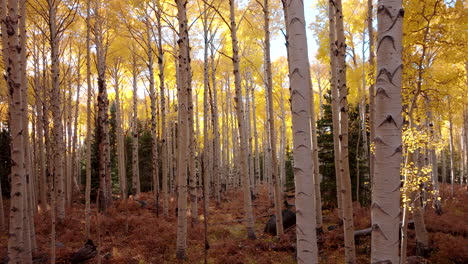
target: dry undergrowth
151 239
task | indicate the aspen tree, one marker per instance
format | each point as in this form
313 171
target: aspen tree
10 15
135 164
271 121
240 124
347 204
88 121
57 129
299 75
385 210
160 57
335 110
183 88
315 161
115 73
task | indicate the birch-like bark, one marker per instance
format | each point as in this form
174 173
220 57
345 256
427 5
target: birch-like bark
299 75
350 253
56 104
335 110
385 210
120 136
249 221
183 90
13 67
315 160
102 135
271 121
215 124
88 122
451 148
135 164
162 96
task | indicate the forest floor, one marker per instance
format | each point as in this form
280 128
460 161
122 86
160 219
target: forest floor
152 239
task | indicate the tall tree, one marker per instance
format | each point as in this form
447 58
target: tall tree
299 76
240 124
385 210
183 88
347 204
11 14
271 121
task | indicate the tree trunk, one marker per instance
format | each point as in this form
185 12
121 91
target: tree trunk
164 155
451 147
14 67
135 163
385 210
102 135
240 124
350 254
183 90
88 122
271 121
299 75
335 110
57 129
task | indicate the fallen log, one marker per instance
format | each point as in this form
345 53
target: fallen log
85 253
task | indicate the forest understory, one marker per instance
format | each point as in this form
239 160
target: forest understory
151 239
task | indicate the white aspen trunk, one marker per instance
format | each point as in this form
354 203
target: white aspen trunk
164 154
452 152
68 152
385 210
29 230
315 160
299 75
283 142
56 101
122 174
192 154
335 110
248 134
135 160
215 123
39 90
183 90
249 221
102 135
256 158
206 143
76 168
13 68
271 121
88 123
350 253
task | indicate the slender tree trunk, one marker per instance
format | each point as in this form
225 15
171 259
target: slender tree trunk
14 66
240 124
135 164
452 153
335 110
315 160
88 122
164 154
102 135
57 129
183 129
271 121
350 253
215 123
299 75
385 210
120 137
